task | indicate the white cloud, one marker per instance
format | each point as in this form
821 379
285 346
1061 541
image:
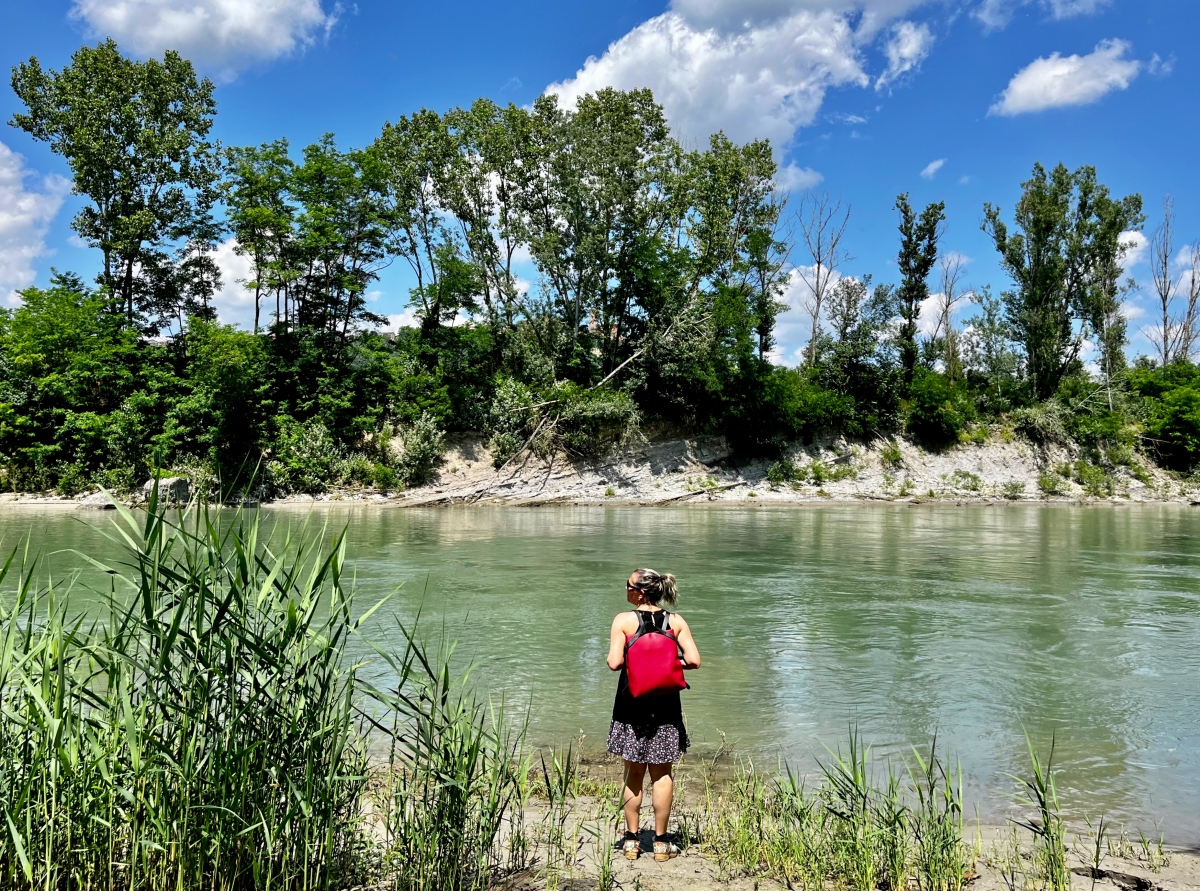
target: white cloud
998 13
729 15
932 168
1131 311
764 80
1160 67
234 303
406 319
25 217
1057 81
793 178
1136 247
906 49
224 36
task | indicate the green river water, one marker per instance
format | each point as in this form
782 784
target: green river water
977 623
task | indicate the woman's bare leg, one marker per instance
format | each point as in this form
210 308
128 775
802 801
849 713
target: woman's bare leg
631 795
662 791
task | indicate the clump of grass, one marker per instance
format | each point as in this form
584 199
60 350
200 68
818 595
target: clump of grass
849 832
1096 481
454 770
1013 490
891 456
1040 792
848 797
205 734
1050 485
940 858
964 479
210 733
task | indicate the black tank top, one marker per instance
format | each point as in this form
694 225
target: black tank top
647 711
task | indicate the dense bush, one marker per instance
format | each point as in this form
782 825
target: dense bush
1172 409
937 410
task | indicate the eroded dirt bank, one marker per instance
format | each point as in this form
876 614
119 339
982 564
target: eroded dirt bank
705 470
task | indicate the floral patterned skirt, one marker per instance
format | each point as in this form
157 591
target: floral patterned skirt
648 744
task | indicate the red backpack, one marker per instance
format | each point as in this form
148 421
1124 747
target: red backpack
652 656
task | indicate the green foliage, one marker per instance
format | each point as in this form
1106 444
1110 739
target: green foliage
1096 481
213 734
420 449
1065 262
1050 484
918 252
937 409
1013 490
135 137
589 422
891 456
305 458
660 273
963 479
1172 398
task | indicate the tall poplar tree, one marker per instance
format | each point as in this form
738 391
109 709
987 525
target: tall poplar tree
918 252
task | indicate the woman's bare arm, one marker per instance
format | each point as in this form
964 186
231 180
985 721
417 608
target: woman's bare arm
616 642
683 634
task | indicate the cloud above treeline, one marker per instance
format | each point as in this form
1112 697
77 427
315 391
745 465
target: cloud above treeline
998 13
25 216
1056 81
223 37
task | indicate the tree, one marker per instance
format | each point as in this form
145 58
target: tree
135 135
257 195
822 226
1176 334
1063 262
949 297
919 238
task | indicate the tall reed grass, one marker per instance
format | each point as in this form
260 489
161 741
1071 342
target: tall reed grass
208 730
855 830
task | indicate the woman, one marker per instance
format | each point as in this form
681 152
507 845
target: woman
648 731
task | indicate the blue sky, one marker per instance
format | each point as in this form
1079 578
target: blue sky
860 98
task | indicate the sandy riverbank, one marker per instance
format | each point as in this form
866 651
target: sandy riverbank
698 869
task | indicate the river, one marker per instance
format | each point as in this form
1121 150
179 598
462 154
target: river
978 624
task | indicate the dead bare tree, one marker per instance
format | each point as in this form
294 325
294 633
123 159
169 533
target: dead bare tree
1165 284
822 225
1189 327
952 294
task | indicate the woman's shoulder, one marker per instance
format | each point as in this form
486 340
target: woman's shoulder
626 619
677 621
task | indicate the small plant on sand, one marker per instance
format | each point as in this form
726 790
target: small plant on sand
782 471
1096 481
558 784
609 492
941 859
1040 791
1050 485
848 800
964 479
1013 490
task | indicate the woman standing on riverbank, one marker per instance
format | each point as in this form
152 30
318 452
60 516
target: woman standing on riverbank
648 730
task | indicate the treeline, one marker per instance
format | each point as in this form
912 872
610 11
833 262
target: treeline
658 278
